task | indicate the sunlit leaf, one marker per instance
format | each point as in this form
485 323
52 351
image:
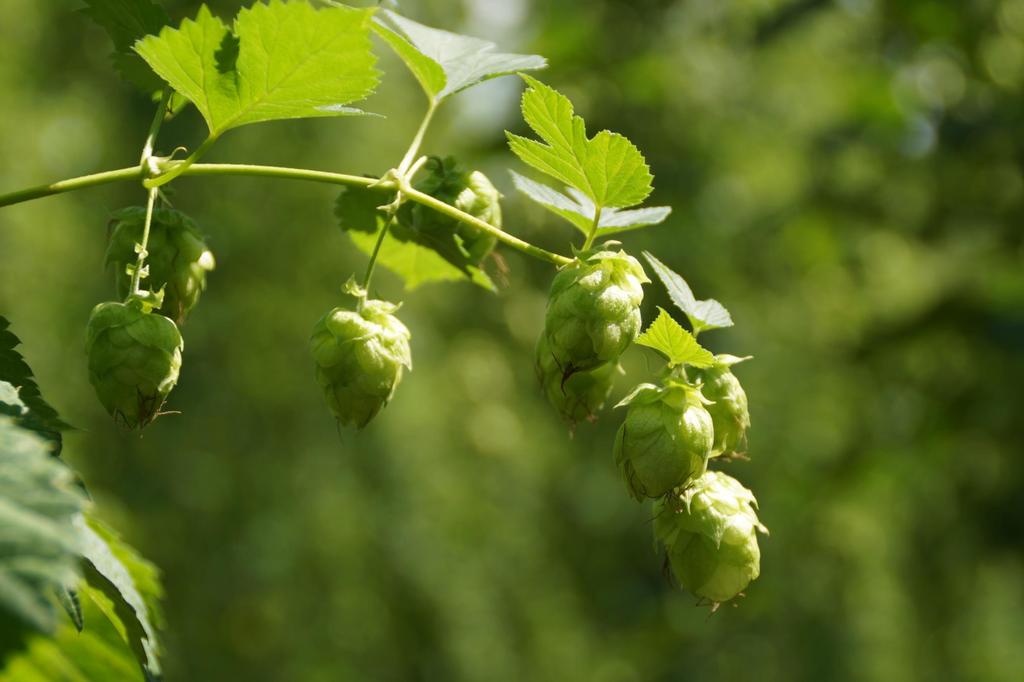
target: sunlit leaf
579 210
607 168
703 315
666 336
283 60
444 62
130 586
96 653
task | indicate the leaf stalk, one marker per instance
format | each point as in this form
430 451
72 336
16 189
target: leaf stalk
593 229
140 262
154 127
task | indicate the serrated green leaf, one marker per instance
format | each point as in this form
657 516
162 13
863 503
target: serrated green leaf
417 258
38 542
126 21
579 210
283 60
358 209
607 168
428 73
703 315
29 408
130 586
417 265
445 63
666 336
13 406
69 600
96 653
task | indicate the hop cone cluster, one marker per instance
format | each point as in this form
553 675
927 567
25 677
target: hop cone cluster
134 359
178 258
360 355
709 531
577 397
665 440
471 192
728 407
593 311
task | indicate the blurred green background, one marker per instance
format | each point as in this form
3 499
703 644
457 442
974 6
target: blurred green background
846 178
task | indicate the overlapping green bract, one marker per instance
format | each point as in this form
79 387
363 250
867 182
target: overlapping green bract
469 191
360 356
728 406
286 59
593 311
280 60
52 549
577 397
709 531
177 260
665 440
704 519
134 359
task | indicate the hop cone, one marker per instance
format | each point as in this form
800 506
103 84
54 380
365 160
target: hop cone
359 359
178 258
593 311
729 403
471 192
709 532
665 440
579 396
134 359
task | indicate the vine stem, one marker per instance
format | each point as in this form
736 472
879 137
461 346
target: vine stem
502 236
403 174
373 256
392 211
147 152
70 185
286 173
144 244
154 127
181 167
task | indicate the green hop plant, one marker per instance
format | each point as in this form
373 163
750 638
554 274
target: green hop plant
360 355
577 397
593 311
469 191
134 359
178 258
728 408
665 440
708 530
